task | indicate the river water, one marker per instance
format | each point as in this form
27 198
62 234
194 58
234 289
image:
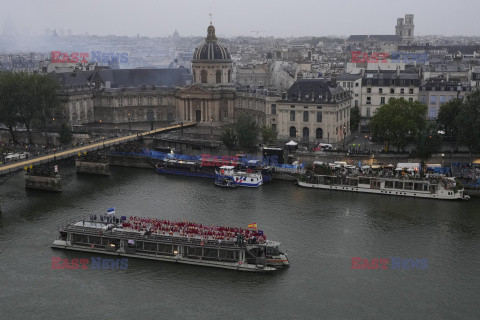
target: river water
321 231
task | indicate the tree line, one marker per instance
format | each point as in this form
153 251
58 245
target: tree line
400 122
28 100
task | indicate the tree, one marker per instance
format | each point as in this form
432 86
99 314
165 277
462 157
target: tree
66 134
447 118
47 101
247 130
427 142
9 101
398 122
354 118
269 135
229 139
468 122
27 107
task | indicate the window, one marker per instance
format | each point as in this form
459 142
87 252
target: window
410 99
292 115
382 101
432 113
218 76
203 76
356 84
319 133
306 134
356 103
392 90
337 115
433 100
369 90
402 91
274 127
293 132
442 100
369 100
423 99
410 91
305 116
368 111
319 116
380 90
274 109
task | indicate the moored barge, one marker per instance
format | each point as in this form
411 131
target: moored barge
173 241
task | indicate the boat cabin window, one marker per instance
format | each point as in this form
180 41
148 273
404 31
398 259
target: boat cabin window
418 186
389 184
398 185
273 251
408 185
364 181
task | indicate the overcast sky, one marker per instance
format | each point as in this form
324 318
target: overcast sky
279 18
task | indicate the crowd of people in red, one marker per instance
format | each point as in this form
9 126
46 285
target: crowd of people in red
192 229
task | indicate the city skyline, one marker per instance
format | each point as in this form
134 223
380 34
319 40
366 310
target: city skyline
190 18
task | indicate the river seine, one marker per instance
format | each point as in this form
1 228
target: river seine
321 231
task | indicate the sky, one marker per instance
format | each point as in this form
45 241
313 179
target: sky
278 18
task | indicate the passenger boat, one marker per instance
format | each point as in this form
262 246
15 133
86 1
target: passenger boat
240 178
173 241
431 188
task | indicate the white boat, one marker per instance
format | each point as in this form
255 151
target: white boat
431 188
240 178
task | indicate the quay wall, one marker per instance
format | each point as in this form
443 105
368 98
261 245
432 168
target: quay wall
50 183
98 168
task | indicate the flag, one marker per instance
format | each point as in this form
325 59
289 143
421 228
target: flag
111 211
253 225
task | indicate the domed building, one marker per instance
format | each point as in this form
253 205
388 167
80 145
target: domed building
211 62
210 100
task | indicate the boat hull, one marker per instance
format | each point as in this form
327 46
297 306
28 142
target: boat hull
393 192
64 245
186 173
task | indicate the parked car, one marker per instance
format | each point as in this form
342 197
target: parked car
323 147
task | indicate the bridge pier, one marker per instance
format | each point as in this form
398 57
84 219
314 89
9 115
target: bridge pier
50 182
90 167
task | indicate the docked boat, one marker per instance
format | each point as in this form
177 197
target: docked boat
225 182
245 178
173 241
184 168
431 188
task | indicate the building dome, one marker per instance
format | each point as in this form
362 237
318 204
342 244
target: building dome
211 50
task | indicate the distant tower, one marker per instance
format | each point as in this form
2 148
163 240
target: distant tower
405 29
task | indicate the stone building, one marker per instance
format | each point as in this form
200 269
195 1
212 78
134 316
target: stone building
312 111
436 91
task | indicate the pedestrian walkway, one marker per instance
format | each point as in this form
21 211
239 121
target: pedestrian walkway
20 165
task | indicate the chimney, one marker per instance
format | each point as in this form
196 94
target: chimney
448 76
398 70
363 72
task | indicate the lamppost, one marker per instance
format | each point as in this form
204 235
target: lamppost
211 126
101 131
129 127
366 138
344 135
54 155
443 159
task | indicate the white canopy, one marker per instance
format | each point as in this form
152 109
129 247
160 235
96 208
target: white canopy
291 143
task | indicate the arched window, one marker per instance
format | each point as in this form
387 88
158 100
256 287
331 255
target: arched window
319 133
293 132
229 76
194 76
306 134
218 76
203 76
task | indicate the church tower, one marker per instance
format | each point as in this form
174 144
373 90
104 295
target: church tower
405 29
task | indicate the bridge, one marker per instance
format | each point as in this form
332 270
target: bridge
20 165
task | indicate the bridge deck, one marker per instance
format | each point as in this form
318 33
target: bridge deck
4 169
